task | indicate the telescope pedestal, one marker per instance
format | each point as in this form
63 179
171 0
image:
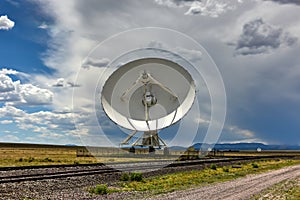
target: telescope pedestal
149 138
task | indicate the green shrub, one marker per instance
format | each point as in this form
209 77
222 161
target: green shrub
254 165
47 160
225 169
213 166
76 162
20 159
136 176
31 159
124 177
99 189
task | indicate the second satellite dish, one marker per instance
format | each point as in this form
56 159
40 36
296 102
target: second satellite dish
148 94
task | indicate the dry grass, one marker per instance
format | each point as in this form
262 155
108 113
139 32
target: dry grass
40 156
49 156
288 189
189 179
263 153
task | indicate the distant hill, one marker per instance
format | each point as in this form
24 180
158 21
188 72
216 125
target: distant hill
178 148
71 145
245 146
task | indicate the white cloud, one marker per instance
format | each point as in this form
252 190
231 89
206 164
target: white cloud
259 37
14 92
10 138
8 71
43 26
211 8
20 75
45 122
6 84
10 111
235 134
59 83
33 95
241 132
202 121
5 23
90 62
6 121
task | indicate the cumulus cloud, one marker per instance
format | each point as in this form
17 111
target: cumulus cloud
61 82
21 75
211 8
6 84
10 111
8 71
14 92
47 123
32 95
5 23
90 62
296 2
6 121
259 37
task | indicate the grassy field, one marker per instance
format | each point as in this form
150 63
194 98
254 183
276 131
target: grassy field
28 156
190 179
263 153
40 156
288 189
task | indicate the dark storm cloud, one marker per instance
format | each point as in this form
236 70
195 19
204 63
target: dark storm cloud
259 37
296 2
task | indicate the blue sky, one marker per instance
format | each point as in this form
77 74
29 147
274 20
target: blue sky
255 45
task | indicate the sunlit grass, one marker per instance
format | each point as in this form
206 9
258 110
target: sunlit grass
50 156
189 179
287 189
40 156
263 153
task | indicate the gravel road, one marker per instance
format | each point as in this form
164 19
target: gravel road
242 188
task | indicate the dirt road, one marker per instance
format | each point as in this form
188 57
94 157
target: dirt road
242 188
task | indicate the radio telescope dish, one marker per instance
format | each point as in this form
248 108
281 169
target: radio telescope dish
147 95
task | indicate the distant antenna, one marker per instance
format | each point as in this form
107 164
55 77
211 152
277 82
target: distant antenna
147 95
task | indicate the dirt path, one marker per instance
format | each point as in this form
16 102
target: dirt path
242 188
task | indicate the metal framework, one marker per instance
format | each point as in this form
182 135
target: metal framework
149 138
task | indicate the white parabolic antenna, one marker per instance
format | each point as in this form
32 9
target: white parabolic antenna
147 95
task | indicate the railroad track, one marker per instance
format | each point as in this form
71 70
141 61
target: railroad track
102 169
